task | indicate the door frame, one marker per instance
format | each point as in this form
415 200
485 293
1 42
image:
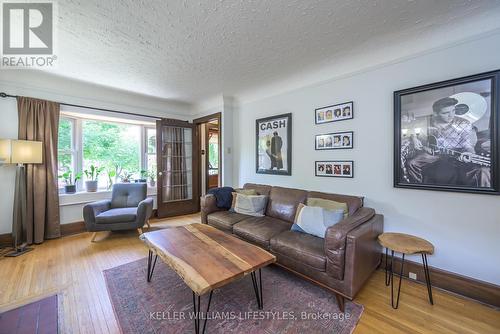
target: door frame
184 206
198 122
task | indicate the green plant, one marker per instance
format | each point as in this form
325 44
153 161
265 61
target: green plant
144 174
111 175
152 174
93 172
127 176
68 177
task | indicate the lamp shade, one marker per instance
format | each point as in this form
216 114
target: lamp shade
20 151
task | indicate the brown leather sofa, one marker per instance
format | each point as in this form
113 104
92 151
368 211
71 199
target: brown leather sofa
341 262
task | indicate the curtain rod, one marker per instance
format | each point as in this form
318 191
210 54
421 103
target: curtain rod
5 95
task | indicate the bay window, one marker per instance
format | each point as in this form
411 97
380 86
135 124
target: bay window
122 150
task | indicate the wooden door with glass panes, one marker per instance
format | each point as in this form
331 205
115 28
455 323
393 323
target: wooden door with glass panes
177 158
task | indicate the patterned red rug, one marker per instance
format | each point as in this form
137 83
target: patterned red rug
291 304
35 318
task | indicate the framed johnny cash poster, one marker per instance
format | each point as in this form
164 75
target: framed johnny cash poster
446 135
274 145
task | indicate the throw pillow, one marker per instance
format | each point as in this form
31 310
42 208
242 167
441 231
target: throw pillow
315 220
252 205
241 191
329 205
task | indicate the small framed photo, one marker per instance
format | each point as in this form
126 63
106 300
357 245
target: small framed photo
334 113
334 168
334 141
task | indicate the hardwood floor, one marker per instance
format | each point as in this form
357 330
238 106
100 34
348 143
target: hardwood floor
72 266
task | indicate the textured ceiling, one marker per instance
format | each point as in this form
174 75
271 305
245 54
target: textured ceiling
193 50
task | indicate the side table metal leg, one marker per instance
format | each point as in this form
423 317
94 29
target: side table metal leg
392 280
427 277
387 276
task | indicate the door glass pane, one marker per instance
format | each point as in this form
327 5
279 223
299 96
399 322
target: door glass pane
177 163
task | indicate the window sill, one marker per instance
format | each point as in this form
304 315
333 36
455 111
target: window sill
83 197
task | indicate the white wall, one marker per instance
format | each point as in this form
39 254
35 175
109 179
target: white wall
44 86
463 227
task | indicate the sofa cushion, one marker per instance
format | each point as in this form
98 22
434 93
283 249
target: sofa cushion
353 202
261 189
283 203
304 248
224 220
252 205
120 215
260 230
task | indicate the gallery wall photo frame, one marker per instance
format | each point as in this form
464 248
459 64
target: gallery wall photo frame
334 168
334 141
446 135
334 113
273 145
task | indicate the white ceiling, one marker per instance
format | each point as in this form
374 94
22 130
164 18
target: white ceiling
192 50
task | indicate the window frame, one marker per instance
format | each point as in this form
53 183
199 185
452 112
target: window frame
77 145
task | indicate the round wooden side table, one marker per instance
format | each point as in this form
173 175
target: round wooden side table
405 244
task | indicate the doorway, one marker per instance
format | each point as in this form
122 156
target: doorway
209 128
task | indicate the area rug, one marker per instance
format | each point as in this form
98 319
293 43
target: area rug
165 305
34 318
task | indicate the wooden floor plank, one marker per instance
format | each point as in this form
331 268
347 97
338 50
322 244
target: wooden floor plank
72 266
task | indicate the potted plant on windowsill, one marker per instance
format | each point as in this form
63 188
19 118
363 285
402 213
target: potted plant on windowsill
92 175
70 187
144 177
126 177
152 177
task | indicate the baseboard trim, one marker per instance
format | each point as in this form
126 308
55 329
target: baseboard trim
6 240
484 292
72 228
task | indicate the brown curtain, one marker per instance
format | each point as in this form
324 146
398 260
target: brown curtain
39 121
175 162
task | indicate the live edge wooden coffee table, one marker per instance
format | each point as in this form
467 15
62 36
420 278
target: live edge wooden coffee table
206 259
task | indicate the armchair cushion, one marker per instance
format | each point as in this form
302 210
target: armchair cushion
92 210
126 195
119 215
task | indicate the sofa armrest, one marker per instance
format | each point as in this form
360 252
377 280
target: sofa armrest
208 205
144 211
362 255
335 240
91 210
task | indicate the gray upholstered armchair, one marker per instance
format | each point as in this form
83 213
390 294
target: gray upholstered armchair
128 209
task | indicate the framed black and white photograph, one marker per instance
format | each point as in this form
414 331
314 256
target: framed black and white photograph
446 135
335 168
334 141
334 113
274 145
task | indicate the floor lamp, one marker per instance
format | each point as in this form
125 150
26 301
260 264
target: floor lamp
20 152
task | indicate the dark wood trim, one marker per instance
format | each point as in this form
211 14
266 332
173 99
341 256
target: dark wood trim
208 118
72 228
201 122
484 292
6 240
